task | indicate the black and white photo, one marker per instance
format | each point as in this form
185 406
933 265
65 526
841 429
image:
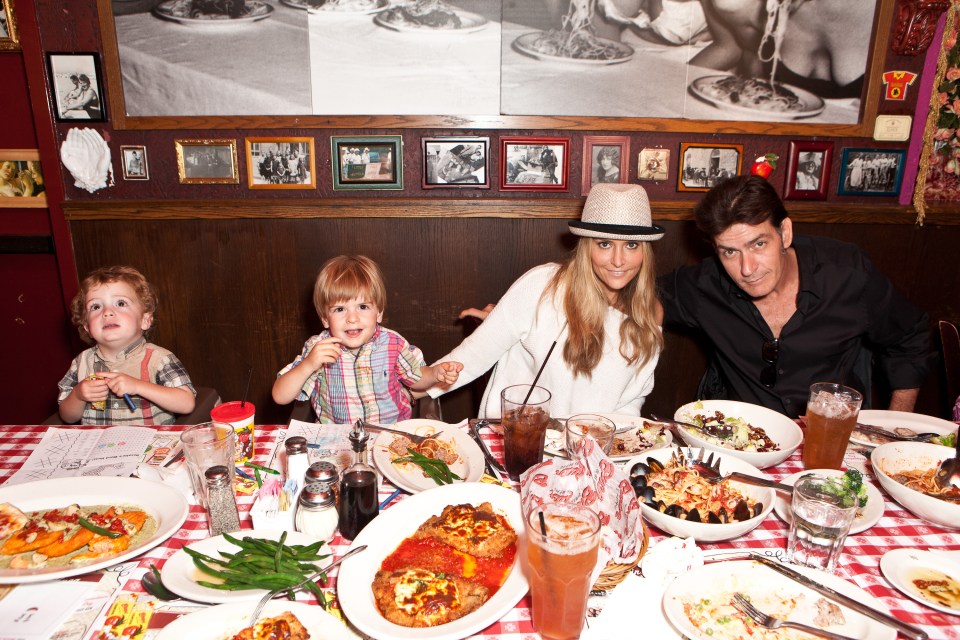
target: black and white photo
534 164
808 170
455 162
871 172
134 158
8 27
703 166
280 163
604 160
76 86
207 161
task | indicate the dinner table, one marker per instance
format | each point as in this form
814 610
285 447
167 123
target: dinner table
120 590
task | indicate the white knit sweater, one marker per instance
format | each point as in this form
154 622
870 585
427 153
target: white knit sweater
517 336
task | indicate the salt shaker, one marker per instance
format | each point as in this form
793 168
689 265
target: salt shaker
297 460
317 512
222 514
326 473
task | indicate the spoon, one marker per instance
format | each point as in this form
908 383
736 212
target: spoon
948 475
722 431
273 594
153 585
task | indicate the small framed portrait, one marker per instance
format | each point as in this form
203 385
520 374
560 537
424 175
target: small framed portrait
534 164
76 87
207 161
9 40
367 162
134 158
605 160
21 180
455 162
653 164
704 165
808 170
281 163
871 172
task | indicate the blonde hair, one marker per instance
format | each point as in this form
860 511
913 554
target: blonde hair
585 306
345 278
104 275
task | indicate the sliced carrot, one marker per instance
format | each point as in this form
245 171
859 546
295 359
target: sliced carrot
71 544
19 544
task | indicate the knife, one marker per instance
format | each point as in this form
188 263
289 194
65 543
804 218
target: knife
885 618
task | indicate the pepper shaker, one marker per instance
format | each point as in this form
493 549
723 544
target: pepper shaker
222 513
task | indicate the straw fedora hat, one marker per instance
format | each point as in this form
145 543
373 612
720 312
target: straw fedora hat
617 212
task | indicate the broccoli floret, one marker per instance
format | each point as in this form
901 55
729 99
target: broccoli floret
849 488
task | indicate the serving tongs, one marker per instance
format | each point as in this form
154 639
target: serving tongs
948 474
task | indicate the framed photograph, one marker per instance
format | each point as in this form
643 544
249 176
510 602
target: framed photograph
9 40
207 161
281 163
134 158
455 162
605 160
367 162
534 164
21 180
808 170
871 172
76 87
653 164
704 165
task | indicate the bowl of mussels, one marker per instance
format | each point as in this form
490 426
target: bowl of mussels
680 500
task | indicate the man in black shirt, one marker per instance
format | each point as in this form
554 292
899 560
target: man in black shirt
783 312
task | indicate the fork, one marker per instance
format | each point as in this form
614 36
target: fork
412 436
709 470
744 606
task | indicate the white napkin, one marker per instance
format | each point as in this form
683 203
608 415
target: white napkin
176 475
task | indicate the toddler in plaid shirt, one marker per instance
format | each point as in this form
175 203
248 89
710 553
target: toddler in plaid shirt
122 379
355 369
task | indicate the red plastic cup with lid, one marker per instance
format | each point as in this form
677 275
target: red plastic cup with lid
240 416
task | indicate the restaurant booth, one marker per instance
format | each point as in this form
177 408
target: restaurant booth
190 114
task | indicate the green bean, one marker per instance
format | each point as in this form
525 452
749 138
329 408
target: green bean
437 470
86 524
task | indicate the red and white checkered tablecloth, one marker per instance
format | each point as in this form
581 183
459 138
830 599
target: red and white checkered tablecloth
859 562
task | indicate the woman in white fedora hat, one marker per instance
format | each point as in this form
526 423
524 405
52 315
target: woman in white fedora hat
599 305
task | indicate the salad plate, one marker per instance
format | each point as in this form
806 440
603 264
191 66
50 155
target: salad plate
866 517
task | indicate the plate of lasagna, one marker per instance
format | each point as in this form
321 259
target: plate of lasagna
430 16
213 13
446 442
757 97
457 548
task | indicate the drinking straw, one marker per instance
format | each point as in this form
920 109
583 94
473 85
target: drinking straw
543 524
542 365
246 391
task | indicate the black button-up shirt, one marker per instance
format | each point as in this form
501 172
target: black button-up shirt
844 306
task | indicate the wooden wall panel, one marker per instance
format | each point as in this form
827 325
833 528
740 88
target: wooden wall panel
237 293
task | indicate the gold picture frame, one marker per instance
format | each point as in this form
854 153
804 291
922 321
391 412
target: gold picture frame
9 38
207 161
281 163
24 160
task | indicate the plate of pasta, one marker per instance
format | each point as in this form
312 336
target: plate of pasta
446 442
339 7
757 97
430 16
575 41
906 471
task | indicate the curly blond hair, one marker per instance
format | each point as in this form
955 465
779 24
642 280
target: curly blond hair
103 275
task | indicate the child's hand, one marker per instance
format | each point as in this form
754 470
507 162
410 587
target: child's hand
324 352
121 383
92 389
448 372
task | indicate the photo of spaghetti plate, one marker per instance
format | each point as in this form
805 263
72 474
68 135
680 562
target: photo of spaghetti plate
538 45
758 99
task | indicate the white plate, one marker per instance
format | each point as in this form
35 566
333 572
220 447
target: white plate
869 515
902 566
810 103
524 44
225 620
764 586
892 419
180 575
470 466
167 506
627 426
257 11
346 11
469 22
392 526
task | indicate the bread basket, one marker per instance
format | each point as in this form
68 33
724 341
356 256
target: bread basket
616 572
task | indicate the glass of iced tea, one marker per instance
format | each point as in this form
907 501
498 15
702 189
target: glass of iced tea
525 420
599 428
832 412
562 553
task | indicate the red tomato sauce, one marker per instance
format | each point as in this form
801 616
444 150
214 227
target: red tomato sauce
431 554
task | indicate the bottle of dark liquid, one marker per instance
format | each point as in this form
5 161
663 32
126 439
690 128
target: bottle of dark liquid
358 488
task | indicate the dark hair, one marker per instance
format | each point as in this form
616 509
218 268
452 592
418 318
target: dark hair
747 200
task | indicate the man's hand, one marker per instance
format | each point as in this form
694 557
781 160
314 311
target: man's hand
479 314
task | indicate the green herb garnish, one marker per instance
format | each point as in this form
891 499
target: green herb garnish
849 488
100 531
437 470
947 440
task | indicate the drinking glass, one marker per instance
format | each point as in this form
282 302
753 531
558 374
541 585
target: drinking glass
821 522
598 427
832 412
206 445
525 420
562 553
